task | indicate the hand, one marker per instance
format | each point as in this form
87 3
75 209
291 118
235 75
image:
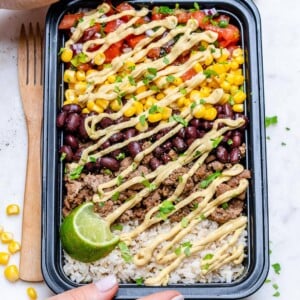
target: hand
105 289
24 4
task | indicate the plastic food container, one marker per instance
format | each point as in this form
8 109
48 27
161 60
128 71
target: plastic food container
245 15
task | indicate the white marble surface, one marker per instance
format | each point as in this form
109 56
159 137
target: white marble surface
281 45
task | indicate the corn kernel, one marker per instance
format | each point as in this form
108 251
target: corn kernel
224 99
141 127
111 78
209 60
219 68
12 209
102 103
160 96
177 81
166 113
80 75
93 107
115 105
1 229
141 89
31 293
6 237
180 101
129 65
138 107
224 56
14 247
234 65
66 55
129 112
239 79
11 273
90 72
210 113
233 89
237 52
70 95
240 60
80 87
99 58
70 76
198 68
204 44
4 258
238 108
195 95
239 97
187 102
198 111
85 111
150 101
153 118
205 92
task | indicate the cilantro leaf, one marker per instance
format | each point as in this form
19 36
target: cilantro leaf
184 222
271 121
208 73
115 196
117 227
125 252
139 281
277 268
75 173
209 179
208 256
217 141
179 119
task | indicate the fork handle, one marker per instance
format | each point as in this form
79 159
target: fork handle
30 257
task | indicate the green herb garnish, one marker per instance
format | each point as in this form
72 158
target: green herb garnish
131 80
120 180
276 294
170 78
208 256
277 268
154 109
152 71
117 227
165 10
216 141
139 281
184 222
177 251
179 119
75 173
165 208
225 205
271 121
78 59
142 120
92 159
166 60
223 24
107 172
209 179
208 73
187 248
120 156
150 186
125 252
63 156
115 196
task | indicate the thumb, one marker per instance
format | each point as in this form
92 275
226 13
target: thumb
103 289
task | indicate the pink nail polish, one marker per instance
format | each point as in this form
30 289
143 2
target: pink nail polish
106 283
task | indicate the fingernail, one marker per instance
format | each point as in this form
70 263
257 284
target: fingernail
179 297
107 283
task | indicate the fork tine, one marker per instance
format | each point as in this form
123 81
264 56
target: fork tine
22 56
39 54
31 55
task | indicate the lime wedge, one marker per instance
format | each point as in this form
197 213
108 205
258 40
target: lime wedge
85 236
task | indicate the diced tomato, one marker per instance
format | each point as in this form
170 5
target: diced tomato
113 51
188 74
154 53
230 35
122 7
183 17
156 16
90 32
112 25
140 22
132 40
69 20
93 47
201 18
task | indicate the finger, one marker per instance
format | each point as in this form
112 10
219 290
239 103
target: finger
24 4
104 289
167 295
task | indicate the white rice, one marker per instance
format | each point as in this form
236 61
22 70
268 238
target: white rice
188 272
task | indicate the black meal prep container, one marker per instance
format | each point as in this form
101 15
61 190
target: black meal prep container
245 15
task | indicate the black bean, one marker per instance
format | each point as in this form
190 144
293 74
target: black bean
117 137
105 145
235 155
77 154
72 122
90 167
154 163
72 108
206 125
179 144
129 133
195 122
68 153
158 151
81 130
134 149
165 158
227 136
190 141
61 118
227 110
222 154
159 136
106 122
200 133
191 132
239 115
72 141
122 119
165 130
167 146
219 108
110 163
181 133
236 141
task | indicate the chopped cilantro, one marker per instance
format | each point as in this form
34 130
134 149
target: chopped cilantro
101 11
208 256
106 66
179 119
92 22
166 60
119 78
180 179
107 172
225 205
230 141
120 156
117 227
205 267
275 286
277 268
165 208
271 121
92 159
154 88
276 294
193 105
202 101
152 71
165 10
202 217
78 59
182 91
154 109
63 156
142 120
101 204
139 281
120 180
115 196
196 6
267 280
187 248
125 252
184 222
61 50
197 153
195 206
202 48
216 142
209 179
75 173
150 186
131 68
208 73
170 78
177 251
223 24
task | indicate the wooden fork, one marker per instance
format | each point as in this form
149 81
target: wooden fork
30 84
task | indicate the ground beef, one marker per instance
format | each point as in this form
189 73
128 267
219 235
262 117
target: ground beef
234 210
215 166
201 173
125 163
234 182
